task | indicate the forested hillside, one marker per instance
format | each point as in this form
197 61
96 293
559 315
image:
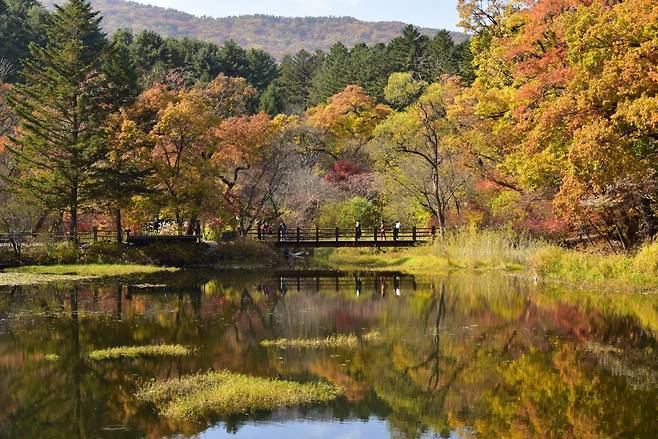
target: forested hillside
276 35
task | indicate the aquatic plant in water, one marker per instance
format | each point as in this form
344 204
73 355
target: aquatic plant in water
332 341
227 393
162 350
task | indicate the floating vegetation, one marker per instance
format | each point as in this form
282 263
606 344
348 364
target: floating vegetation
227 393
52 357
333 341
162 350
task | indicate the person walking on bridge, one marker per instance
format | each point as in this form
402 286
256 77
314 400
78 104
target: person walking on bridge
357 231
283 231
396 230
382 230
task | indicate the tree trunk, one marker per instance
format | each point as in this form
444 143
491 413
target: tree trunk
117 225
442 224
73 226
649 217
39 224
190 226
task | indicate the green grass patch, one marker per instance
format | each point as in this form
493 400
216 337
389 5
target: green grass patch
162 350
90 270
220 393
333 341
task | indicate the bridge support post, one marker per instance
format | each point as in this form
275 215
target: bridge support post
298 234
317 234
433 233
95 232
337 234
374 233
413 233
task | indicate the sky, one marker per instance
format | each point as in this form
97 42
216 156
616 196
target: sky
426 13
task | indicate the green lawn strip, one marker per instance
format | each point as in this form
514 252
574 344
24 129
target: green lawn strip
332 341
162 350
226 393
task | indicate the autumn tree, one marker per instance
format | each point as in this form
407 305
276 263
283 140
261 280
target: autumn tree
563 101
418 154
347 121
254 158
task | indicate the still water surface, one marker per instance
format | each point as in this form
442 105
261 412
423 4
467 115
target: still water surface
461 356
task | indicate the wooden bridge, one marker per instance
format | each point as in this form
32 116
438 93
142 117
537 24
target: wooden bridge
295 238
337 237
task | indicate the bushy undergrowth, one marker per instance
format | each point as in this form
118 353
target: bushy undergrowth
556 262
162 350
495 250
162 253
226 393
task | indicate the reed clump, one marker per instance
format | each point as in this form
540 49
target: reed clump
162 350
222 393
332 341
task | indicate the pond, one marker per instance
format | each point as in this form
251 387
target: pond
459 356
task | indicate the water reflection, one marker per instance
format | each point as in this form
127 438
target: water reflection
487 356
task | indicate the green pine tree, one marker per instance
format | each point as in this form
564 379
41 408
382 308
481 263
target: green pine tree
294 82
334 75
21 24
262 69
405 50
271 101
62 107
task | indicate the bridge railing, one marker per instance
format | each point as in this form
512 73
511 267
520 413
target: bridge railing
318 234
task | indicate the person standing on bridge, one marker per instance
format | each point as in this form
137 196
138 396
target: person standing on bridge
396 230
357 231
283 230
382 230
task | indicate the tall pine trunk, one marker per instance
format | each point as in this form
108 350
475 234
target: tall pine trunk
73 226
117 225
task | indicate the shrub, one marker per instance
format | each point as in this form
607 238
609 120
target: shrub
103 252
646 261
62 253
346 213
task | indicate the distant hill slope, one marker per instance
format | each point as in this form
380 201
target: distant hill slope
277 35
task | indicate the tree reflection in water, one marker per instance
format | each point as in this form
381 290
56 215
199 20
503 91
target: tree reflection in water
485 355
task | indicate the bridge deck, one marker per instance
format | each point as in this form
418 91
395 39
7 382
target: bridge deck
341 244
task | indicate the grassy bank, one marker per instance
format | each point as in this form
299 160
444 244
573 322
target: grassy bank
226 393
501 251
39 274
140 351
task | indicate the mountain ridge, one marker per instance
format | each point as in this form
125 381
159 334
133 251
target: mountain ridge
276 34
